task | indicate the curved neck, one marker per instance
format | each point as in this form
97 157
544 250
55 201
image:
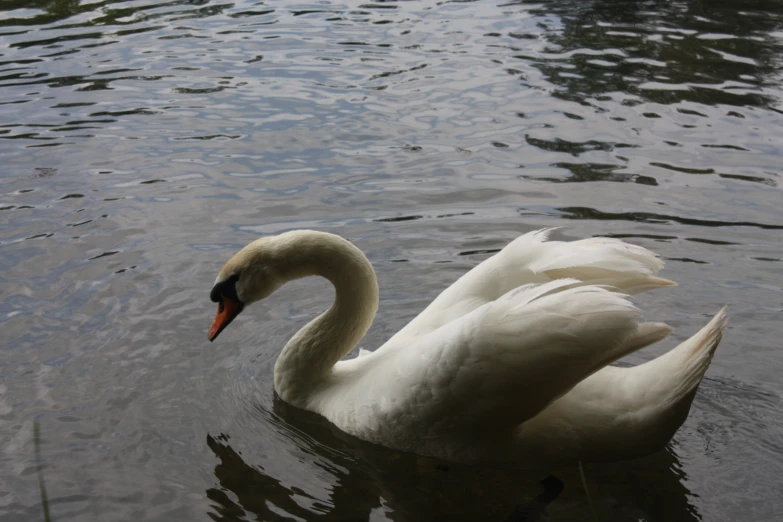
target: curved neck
309 356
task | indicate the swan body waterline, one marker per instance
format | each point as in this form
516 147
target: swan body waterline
508 366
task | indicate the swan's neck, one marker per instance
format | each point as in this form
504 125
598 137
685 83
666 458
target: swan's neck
307 360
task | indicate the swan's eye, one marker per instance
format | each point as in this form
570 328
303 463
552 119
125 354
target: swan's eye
224 288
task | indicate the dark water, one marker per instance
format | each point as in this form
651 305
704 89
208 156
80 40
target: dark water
143 142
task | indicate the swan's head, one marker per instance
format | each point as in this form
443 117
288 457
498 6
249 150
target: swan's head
266 264
251 275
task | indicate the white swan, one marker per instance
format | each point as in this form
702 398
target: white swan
507 366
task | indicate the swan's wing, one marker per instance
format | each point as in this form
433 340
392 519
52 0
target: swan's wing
532 259
499 365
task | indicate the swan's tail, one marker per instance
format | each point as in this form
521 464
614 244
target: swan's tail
674 376
696 353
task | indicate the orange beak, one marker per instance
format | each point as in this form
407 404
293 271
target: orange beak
228 309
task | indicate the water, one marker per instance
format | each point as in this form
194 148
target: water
144 142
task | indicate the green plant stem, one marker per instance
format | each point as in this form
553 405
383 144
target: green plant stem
587 492
37 442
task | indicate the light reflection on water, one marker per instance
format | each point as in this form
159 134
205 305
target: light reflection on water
143 142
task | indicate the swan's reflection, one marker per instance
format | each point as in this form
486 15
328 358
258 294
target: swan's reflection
649 488
368 482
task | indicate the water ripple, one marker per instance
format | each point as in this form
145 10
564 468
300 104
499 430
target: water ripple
144 141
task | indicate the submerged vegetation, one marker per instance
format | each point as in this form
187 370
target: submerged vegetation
39 465
587 492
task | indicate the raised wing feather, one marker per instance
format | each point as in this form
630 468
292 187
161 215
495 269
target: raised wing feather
532 259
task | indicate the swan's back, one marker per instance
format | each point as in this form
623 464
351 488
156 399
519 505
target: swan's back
510 363
471 382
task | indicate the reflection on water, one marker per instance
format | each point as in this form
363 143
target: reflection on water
365 479
144 141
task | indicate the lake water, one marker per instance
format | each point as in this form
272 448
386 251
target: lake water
143 142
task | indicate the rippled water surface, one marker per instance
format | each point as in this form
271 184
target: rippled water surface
143 142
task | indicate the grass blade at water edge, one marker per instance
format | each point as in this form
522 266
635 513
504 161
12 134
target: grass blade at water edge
37 442
587 492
